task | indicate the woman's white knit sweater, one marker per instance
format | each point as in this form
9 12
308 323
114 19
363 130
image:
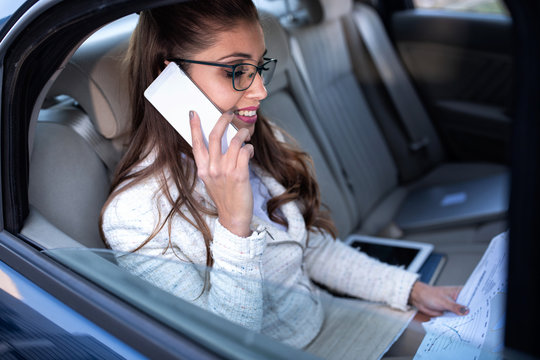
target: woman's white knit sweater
261 282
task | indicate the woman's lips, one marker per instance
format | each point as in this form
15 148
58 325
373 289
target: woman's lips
248 115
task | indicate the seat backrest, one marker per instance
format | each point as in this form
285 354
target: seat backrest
288 106
69 182
389 91
344 117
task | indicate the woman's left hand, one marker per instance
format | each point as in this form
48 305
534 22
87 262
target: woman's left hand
434 300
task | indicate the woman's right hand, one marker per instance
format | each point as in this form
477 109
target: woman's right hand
226 176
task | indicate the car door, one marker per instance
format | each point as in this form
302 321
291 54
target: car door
459 55
478 47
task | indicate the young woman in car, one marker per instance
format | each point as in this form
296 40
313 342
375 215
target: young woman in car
253 212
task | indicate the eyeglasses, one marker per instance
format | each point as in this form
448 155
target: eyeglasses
242 74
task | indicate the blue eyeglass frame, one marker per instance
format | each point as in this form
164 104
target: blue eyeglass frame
260 69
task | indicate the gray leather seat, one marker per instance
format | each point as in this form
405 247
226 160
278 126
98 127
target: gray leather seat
288 106
371 193
345 119
69 180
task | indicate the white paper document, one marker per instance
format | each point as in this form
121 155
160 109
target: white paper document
480 334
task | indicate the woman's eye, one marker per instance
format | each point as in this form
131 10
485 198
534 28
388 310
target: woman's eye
237 73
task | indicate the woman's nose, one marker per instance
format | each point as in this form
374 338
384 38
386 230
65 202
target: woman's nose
257 89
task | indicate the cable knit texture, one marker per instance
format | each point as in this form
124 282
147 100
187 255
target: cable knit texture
261 282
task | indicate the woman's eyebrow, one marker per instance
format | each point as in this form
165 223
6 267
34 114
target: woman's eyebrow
241 56
235 55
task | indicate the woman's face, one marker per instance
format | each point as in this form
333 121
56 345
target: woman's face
241 44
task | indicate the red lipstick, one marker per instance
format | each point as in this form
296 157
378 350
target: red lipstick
247 114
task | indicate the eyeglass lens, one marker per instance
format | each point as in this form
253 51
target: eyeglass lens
244 74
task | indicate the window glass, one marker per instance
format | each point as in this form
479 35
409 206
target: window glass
34 323
7 8
479 6
161 288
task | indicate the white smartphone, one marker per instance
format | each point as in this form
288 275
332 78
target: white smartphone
174 94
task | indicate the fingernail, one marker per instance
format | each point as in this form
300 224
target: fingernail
191 114
463 310
229 112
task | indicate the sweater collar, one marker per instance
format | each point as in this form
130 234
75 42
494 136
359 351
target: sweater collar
296 225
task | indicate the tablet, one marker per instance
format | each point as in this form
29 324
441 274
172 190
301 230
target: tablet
409 254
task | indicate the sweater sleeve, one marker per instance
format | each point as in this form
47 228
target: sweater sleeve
236 277
352 272
231 288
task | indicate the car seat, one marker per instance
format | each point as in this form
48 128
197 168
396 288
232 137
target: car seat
321 50
78 138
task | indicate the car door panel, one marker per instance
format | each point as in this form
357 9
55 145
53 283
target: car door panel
462 66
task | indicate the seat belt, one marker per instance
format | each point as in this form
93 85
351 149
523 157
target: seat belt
79 122
411 112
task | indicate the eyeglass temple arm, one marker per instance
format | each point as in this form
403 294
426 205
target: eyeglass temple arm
202 63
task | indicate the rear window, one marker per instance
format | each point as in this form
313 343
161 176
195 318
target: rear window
3 21
7 8
477 6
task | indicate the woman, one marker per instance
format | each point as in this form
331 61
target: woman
196 205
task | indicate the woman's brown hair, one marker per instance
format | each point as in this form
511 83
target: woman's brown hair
180 31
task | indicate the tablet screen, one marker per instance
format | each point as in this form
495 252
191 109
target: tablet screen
389 254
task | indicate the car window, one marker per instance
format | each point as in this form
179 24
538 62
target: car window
123 274
3 21
7 8
478 6
35 322
144 282
160 288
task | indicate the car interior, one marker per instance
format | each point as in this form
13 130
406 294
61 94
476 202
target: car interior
378 153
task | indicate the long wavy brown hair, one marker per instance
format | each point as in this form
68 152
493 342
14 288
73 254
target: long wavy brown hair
179 31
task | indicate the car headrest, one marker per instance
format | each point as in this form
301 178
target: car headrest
328 10
94 77
276 41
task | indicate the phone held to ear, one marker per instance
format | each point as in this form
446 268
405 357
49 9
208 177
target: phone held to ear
174 95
